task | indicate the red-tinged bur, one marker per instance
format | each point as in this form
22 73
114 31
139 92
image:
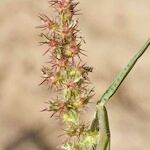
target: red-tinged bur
48 23
52 43
66 75
69 33
59 63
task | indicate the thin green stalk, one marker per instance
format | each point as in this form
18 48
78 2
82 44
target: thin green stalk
100 121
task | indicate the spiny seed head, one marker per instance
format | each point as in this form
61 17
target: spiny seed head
66 74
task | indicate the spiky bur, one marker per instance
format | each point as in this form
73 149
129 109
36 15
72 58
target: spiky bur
67 75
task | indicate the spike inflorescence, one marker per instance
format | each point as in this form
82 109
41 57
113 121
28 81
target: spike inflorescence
66 74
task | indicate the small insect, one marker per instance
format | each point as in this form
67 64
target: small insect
88 69
46 72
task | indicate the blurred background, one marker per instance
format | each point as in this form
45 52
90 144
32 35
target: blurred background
114 30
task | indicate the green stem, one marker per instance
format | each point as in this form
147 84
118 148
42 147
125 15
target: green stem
122 75
100 121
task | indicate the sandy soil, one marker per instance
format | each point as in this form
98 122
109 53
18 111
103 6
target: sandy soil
114 30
